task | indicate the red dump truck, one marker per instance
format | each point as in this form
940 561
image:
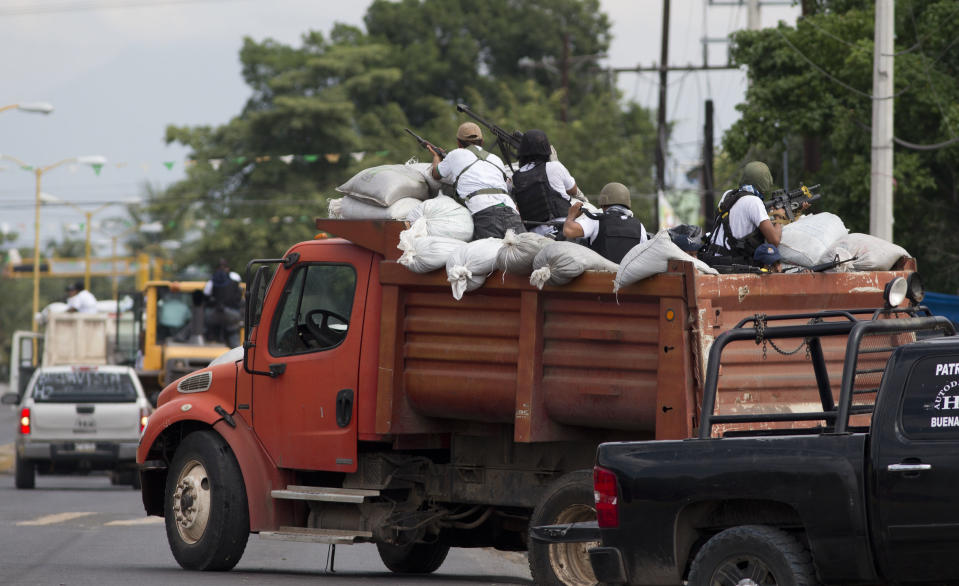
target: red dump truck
370 406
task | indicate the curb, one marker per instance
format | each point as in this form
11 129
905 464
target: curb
6 458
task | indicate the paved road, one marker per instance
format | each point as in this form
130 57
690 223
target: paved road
79 530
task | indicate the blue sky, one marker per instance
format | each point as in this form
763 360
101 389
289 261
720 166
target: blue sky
118 76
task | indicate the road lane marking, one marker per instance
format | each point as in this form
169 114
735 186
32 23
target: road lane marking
132 522
52 519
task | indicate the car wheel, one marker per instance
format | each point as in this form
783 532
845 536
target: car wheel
24 473
207 518
753 554
569 500
415 558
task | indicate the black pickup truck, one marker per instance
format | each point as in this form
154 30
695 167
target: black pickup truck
859 485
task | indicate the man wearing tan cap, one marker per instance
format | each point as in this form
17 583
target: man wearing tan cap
479 178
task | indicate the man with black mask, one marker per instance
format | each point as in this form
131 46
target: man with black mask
223 314
612 233
541 188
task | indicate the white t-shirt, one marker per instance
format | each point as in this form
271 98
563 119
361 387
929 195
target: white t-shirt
591 226
82 302
744 217
482 175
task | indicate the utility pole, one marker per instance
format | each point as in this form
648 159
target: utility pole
709 201
880 185
661 114
753 20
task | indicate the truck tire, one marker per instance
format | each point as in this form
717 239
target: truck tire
207 518
415 558
569 500
759 554
24 473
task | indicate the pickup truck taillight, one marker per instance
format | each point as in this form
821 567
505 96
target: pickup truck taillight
144 415
607 497
25 421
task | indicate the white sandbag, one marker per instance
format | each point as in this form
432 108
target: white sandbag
443 216
435 186
469 265
651 258
559 263
334 208
428 253
518 251
806 240
384 185
358 209
872 253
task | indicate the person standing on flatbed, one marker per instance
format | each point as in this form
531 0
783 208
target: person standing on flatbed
479 178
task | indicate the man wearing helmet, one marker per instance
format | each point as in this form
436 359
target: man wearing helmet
742 224
479 179
612 233
542 187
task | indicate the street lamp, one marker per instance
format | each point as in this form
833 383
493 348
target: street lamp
47 198
92 160
37 107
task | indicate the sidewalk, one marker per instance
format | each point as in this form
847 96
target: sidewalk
6 458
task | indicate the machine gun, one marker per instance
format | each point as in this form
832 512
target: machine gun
427 144
791 201
835 262
508 142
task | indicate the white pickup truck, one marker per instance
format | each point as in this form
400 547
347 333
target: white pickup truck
75 419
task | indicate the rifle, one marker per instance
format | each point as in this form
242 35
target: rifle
790 201
508 143
426 144
835 262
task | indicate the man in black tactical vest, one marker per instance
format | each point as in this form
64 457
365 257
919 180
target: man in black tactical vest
542 187
223 314
743 224
612 233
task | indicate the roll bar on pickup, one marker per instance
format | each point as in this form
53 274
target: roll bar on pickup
843 323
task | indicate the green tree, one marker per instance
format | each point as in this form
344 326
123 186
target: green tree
811 85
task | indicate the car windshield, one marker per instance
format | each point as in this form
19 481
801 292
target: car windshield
84 386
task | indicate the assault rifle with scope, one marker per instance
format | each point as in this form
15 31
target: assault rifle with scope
508 142
791 201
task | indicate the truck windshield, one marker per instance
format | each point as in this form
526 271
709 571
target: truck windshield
84 387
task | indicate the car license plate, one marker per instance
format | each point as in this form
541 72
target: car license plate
84 447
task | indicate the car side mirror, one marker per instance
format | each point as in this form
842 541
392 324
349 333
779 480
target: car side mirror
9 399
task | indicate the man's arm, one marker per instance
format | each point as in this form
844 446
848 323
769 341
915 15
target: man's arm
772 232
436 161
571 228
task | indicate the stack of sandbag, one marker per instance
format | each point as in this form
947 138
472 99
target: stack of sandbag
518 251
808 239
423 253
652 257
559 263
870 252
443 216
378 193
469 265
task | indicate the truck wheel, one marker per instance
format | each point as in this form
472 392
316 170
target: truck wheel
207 519
25 473
753 554
415 558
569 500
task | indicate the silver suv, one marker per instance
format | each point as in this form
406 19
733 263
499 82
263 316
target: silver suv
74 419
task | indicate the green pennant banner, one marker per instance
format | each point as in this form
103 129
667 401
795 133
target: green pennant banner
168 165
311 158
239 160
97 167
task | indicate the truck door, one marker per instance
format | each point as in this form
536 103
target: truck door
305 415
916 474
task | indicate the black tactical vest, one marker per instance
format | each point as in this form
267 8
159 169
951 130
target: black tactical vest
617 235
740 249
228 294
536 200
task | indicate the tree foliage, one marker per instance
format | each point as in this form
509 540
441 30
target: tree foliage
521 64
810 86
